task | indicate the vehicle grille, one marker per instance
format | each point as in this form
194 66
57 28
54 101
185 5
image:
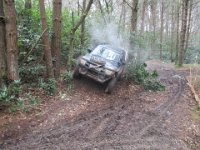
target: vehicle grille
93 72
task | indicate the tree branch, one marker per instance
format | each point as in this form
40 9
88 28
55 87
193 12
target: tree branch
82 17
33 47
128 4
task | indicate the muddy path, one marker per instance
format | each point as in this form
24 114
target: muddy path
129 119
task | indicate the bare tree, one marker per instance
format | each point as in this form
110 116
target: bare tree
153 6
183 31
161 27
173 23
144 4
47 48
102 11
74 29
134 15
177 32
188 26
109 6
56 38
82 36
2 44
11 40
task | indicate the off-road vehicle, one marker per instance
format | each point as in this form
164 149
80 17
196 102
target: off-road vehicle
104 64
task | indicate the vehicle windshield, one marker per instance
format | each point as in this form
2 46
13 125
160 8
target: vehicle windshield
106 53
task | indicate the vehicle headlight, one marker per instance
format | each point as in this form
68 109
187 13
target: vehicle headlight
82 61
109 72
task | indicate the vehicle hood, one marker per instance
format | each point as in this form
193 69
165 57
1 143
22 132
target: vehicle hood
108 64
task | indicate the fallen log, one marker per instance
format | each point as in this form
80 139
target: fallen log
194 92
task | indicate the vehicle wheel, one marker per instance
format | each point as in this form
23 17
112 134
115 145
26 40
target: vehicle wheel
119 76
111 85
76 73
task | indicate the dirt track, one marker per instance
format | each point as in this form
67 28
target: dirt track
129 119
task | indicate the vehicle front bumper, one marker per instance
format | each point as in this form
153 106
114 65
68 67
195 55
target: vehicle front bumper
95 73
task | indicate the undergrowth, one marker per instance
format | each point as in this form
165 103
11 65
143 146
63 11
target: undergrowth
49 85
68 78
137 73
10 94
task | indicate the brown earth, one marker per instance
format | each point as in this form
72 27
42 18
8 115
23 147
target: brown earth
129 118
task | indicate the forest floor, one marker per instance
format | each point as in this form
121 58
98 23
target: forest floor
130 118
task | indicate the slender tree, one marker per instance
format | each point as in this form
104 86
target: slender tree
2 44
172 33
120 19
47 48
177 32
74 29
56 38
144 4
183 31
134 15
102 11
153 17
161 27
188 26
82 36
11 40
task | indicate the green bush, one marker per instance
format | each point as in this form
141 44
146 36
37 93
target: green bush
9 94
31 73
49 85
4 94
153 85
137 73
68 78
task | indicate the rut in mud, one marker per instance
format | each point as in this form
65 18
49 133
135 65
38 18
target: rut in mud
123 120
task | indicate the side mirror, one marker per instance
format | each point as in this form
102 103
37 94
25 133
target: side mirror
89 50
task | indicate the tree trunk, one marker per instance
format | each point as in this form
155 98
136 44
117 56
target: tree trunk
183 31
161 27
134 15
78 4
56 38
167 27
2 45
188 27
28 4
102 12
143 16
124 19
47 48
177 33
120 20
11 40
82 36
107 6
172 35
153 22
109 9
73 31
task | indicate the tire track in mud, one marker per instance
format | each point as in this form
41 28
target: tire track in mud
120 124
139 141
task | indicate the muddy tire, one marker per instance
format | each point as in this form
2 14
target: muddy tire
76 73
120 73
111 85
